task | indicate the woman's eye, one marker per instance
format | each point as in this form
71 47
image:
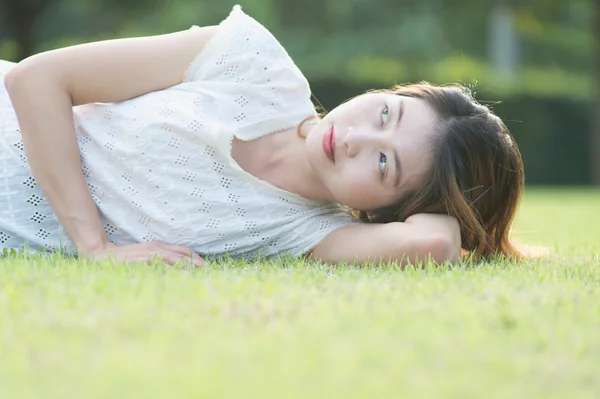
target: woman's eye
382 162
384 115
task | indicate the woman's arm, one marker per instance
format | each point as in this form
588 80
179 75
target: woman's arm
420 236
45 87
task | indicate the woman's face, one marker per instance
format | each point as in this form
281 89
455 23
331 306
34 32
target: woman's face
371 150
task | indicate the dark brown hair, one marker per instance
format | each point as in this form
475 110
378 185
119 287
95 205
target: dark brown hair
474 154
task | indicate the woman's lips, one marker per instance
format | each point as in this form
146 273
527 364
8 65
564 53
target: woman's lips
329 144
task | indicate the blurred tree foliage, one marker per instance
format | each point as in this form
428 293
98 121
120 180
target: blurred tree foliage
372 41
346 46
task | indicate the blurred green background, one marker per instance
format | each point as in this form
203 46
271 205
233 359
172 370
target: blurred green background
533 61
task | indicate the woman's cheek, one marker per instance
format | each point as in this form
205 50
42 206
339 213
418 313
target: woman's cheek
356 188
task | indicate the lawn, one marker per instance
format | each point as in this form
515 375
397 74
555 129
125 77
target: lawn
296 329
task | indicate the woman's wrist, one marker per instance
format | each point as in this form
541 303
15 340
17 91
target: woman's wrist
88 247
89 237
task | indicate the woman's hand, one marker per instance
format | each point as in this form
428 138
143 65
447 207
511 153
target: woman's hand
146 252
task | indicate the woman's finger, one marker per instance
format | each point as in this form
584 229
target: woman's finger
172 257
179 249
187 253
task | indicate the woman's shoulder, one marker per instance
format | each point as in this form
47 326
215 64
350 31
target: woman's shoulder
258 86
245 51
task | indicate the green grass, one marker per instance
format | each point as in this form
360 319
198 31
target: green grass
300 330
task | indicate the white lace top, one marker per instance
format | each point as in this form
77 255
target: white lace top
159 166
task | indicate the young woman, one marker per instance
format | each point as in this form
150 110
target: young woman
205 142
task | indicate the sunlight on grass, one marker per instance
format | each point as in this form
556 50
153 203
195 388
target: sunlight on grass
295 329
566 220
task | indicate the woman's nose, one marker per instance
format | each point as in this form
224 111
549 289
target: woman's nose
358 139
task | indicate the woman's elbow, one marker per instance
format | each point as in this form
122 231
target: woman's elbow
17 78
442 248
10 79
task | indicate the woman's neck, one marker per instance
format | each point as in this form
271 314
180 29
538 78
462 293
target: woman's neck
287 167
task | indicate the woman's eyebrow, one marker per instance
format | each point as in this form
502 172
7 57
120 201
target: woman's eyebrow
398 168
396 157
400 113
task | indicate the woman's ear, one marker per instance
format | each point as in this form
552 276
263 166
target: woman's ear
307 125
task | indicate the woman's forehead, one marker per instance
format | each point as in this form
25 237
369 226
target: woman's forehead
392 97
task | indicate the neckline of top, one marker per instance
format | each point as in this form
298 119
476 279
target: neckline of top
281 192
